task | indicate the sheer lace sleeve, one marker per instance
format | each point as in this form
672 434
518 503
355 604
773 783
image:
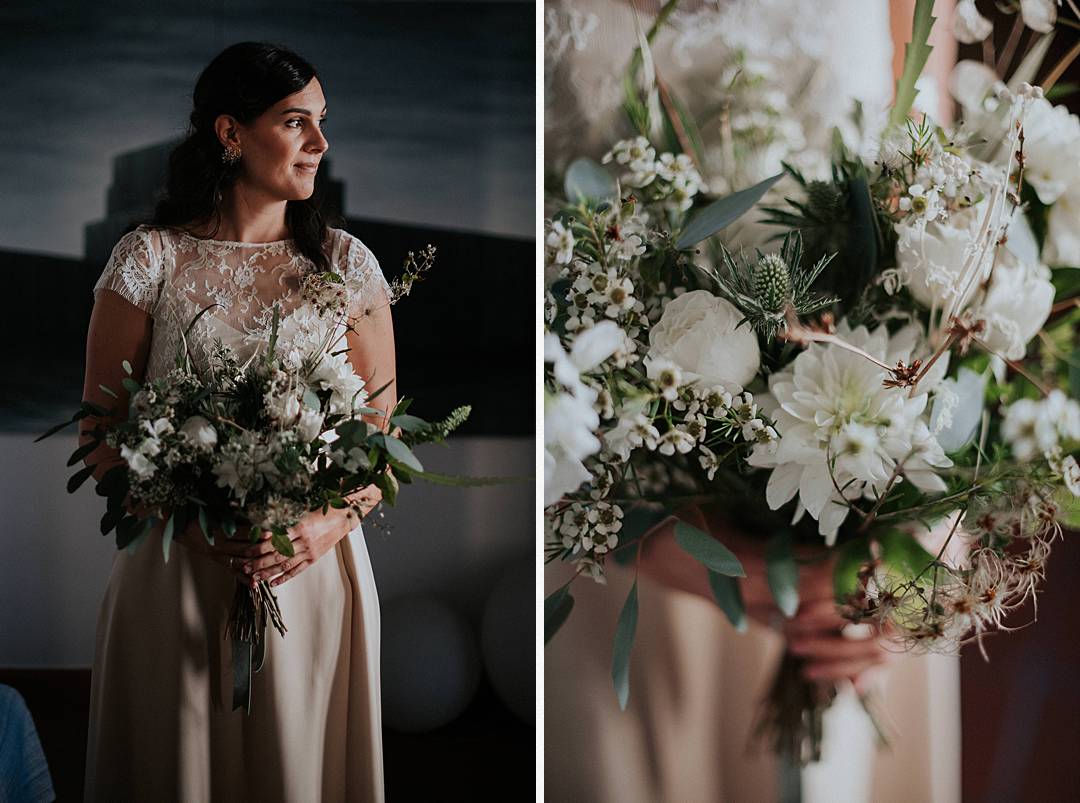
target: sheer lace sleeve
134 270
364 278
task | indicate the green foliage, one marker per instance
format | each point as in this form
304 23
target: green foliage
588 181
722 213
782 572
624 645
765 290
916 52
728 596
704 548
557 607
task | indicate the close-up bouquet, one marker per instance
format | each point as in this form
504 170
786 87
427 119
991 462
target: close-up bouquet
246 449
887 380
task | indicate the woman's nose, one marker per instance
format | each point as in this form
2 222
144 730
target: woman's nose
319 142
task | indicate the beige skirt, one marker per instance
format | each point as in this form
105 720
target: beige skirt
161 724
695 688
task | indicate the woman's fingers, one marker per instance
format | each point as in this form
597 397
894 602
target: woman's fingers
814 617
835 648
292 567
840 670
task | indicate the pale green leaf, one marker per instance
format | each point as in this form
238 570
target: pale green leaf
624 645
706 549
782 573
722 213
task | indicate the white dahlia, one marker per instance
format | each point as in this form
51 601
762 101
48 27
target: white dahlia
831 403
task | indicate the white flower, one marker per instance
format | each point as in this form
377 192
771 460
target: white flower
561 241
138 462
335 373
1016 306
1051 149
1070 472
667 375
969 26
570 419
676 440
634 429
1039 15
1033 427
697 332
1062 245
958 407
931 255
199 431
309 427
161 426
921 202
832 404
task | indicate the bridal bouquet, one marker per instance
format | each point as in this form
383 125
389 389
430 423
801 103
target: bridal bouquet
891 375
253 447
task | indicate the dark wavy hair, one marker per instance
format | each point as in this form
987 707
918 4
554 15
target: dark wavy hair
244 80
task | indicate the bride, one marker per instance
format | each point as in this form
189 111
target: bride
238 228
686 733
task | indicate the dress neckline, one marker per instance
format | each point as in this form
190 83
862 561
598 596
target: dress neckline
233 242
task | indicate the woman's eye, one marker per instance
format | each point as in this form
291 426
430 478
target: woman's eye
322 122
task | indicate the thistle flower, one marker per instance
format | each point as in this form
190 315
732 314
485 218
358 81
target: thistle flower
767 291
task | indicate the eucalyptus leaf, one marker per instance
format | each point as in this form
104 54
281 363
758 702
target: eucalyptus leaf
82 452
205 526
110 391
587 180
557 607
782 572
79 477
127 367
167 536
706 549
130 385
624 645
282 543
722 213
850 558
409 423
728 596
402 453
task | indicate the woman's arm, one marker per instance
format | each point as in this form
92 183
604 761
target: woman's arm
118 331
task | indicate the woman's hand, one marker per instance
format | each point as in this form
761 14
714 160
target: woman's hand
229 552
312 537
816 632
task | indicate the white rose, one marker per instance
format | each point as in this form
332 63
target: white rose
697 333
1051 149
1016 305
930 256
200 432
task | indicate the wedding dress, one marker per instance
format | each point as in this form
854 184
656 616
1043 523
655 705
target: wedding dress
696 684
161 724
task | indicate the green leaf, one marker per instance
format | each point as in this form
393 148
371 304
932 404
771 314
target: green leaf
82 452
130 385
782 573
205 526
167 536
703 547
624 644
79 477
728 596
850 558
54 429
311 401
409 423
110 391
127 367
228 525
587 180
1068 508
637 521
402 453
722 213
916 52
557 607
282 543
131 529
904 556
111 519
388 484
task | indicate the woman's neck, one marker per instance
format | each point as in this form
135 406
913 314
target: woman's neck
246 218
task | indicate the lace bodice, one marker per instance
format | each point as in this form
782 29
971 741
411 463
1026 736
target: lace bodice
173 276
791 67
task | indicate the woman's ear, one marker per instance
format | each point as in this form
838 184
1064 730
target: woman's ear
227 130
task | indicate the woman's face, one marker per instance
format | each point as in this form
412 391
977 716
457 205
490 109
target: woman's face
281 149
